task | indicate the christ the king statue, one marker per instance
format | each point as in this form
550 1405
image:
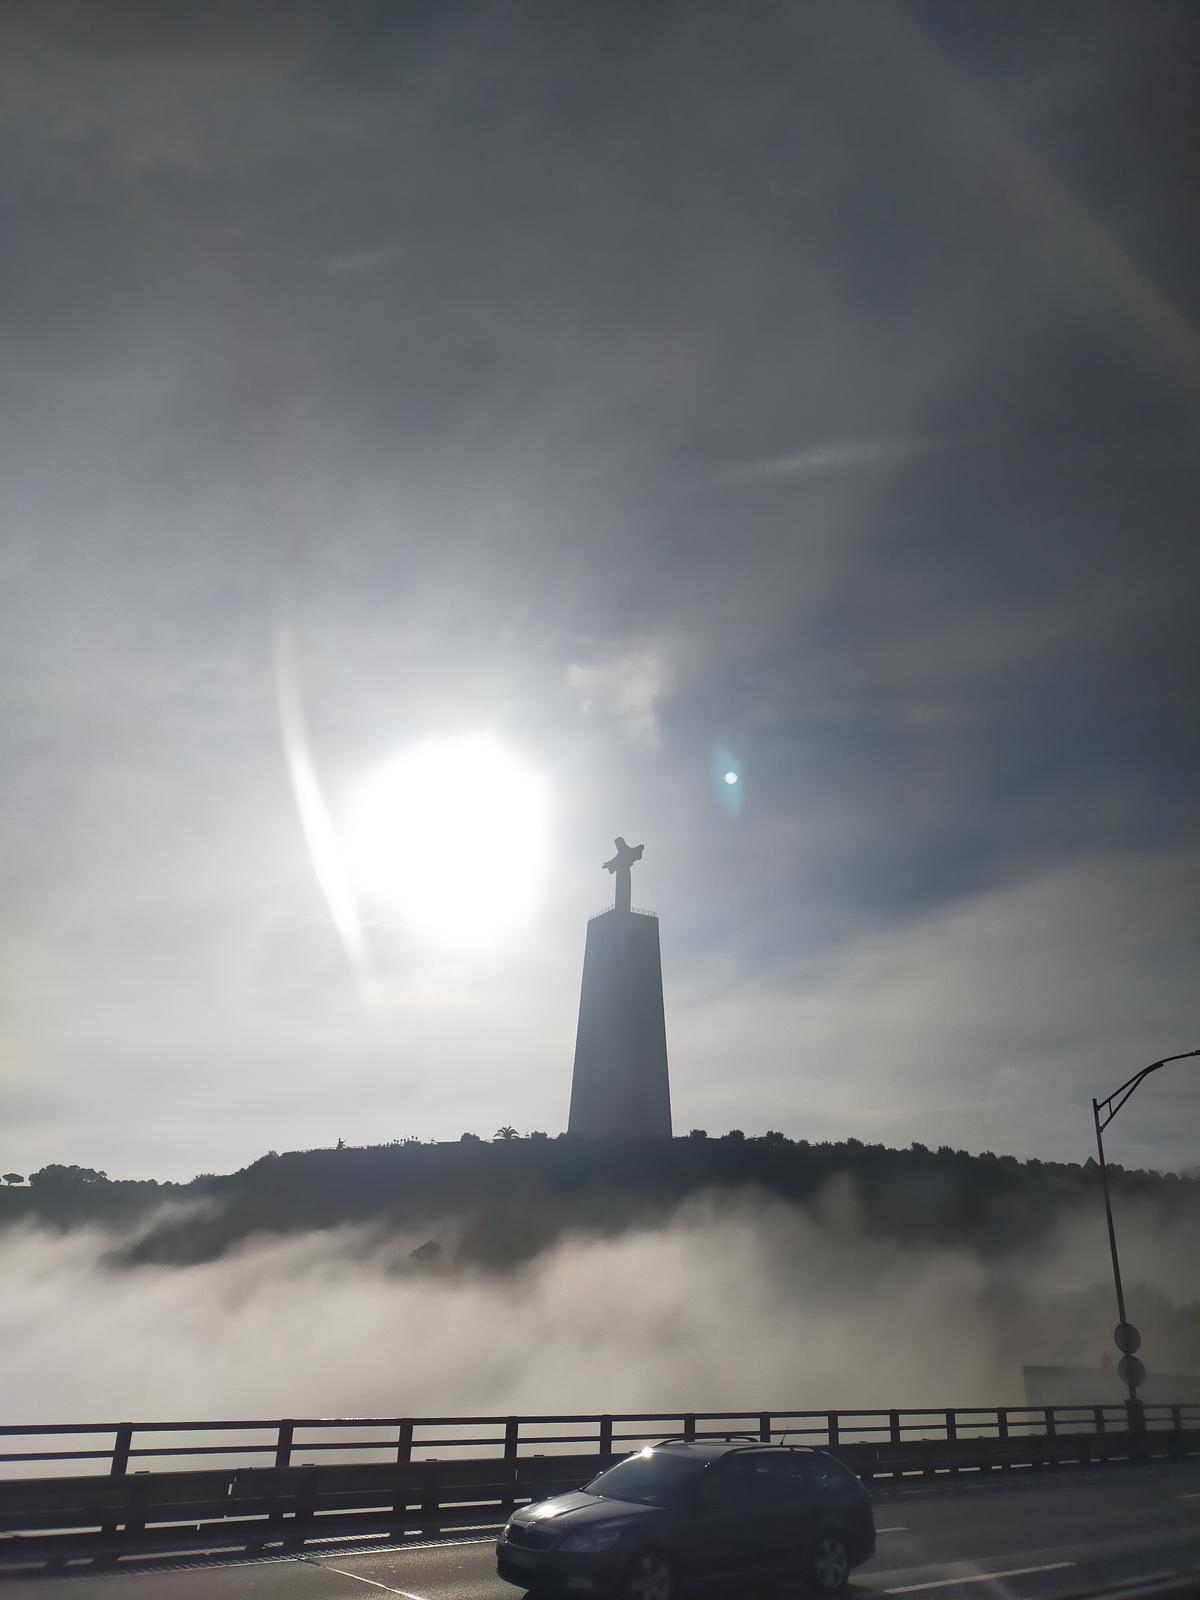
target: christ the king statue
620 864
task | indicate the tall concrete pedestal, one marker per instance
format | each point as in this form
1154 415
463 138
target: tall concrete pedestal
620 1081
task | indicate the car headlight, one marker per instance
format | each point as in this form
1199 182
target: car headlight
591 1539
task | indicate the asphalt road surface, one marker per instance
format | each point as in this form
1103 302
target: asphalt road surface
1022 1540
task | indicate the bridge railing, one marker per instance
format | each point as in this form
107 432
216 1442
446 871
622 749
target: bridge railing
96 1486
120 1448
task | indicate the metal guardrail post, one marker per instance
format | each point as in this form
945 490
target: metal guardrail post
1176 1447
135 1515
404 1443
832 1421
283 1445
952 1438
1002 1433
689 1427
430 1493
1138 1444
117 1466
512 1434
764 1426
121 1448
894 1426
604 1440
1050 1422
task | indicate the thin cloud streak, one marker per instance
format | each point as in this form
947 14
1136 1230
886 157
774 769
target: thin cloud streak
844 455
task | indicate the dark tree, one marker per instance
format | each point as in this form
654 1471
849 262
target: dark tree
60 1175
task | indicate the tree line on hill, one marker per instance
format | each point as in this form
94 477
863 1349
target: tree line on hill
510 1197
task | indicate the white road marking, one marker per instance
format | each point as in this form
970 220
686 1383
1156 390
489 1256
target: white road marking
374 1583
383 1542
978 1577
891 1530
1187 1497
449 1544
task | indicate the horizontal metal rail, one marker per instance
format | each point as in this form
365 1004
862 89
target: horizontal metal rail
411 1491
402 1439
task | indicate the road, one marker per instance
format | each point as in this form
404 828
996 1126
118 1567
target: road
1023 1540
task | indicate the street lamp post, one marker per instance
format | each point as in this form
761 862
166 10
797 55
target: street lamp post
1103 1111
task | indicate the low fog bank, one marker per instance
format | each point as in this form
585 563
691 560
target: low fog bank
512 1199
733 1300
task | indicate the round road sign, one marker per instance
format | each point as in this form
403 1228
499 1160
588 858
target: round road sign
1132 1371
1126 1338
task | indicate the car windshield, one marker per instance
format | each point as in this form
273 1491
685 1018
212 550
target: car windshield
650 1478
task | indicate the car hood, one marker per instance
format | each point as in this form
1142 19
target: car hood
577 1508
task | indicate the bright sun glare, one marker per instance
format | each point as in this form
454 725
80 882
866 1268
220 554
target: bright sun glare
452 835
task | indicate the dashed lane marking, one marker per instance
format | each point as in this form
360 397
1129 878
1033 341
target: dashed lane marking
358 1578
978 1577
1187 1497
402 1547
891 1530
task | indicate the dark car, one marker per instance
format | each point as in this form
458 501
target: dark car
683 1516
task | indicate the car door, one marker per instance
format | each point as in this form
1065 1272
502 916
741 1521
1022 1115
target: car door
716 1541
779 1503
809 1506
838 1500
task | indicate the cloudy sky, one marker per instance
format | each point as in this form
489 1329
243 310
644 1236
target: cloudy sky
808 391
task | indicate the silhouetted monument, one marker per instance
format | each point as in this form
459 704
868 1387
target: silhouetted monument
620 864
620 1080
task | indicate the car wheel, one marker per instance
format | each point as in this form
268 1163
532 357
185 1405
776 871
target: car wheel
829 1564
649 1576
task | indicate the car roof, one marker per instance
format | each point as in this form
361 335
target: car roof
714 1449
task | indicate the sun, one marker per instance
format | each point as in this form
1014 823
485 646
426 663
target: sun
451 834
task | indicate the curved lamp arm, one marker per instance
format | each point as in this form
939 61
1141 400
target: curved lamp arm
1107 1109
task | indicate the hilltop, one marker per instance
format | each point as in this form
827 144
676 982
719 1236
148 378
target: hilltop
511 1197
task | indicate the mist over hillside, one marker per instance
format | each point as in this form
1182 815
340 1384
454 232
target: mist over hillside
501 1202
542 1275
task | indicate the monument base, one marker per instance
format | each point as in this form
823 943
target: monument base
620 1083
